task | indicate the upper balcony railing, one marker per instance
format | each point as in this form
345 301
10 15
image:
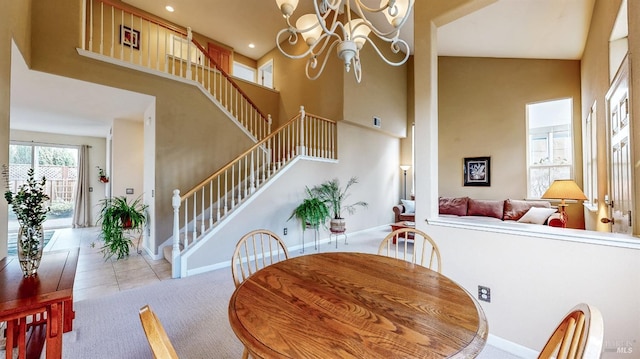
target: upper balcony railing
129 35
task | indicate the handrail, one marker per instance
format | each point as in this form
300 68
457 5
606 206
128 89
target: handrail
224 73
170 49
253 148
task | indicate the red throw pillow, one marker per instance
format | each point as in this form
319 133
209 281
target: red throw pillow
485 208
455 206
514 209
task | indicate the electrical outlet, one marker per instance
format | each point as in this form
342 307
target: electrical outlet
285 231
484 293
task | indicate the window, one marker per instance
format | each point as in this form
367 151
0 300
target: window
549 144
244 72
590 159
265 74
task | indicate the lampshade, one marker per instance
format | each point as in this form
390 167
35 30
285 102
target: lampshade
287 6
564 189
405 167
396 15
359 32
310 28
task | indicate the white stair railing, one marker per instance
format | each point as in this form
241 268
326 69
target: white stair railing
207 204
115 30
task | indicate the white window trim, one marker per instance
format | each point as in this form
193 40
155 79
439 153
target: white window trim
248 68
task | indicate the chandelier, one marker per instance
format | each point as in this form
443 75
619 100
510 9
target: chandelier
325 29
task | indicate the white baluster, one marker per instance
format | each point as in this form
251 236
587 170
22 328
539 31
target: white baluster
189 44
219 200
210 203
202 212
252 176
194 233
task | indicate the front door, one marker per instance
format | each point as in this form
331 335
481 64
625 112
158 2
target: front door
620 198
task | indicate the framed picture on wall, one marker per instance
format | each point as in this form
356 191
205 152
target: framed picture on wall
130 37
476 171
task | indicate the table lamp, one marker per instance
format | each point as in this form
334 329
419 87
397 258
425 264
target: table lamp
564 189
405 168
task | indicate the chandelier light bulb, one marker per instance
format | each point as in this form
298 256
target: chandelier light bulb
396 12
309 28
359 32
287 6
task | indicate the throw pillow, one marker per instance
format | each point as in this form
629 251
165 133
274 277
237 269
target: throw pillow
486 208
456 206
514 209
537 215
409 206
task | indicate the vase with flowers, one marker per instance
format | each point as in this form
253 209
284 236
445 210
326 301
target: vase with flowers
29 203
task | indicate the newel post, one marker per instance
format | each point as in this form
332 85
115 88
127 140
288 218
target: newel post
301 148
175 253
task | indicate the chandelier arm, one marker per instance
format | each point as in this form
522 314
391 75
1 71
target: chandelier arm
334 22
360 5
357 67
396 46
312 62
284 52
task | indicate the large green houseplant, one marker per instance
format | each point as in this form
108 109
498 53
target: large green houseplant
117 215
312 212
334 196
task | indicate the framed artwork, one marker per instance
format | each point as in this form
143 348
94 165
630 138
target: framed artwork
477 171
130 37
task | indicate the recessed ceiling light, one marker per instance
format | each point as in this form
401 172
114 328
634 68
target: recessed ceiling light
252 46
169 8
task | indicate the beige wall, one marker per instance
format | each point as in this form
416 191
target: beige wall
322 97
128 154
482 112
185 123
266 99
14 24
381 93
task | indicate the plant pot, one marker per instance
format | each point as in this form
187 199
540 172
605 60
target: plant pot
30 246
104 179
338 225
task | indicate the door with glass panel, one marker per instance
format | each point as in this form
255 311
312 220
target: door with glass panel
620 197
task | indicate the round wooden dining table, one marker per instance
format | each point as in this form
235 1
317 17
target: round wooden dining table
355 305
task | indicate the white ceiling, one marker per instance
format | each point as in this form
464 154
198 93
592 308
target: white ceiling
547 29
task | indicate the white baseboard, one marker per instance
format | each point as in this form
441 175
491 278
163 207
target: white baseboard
511 347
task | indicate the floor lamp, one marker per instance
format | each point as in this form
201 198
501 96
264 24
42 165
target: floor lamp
405 168
564 189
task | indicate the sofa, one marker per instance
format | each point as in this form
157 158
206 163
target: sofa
523 211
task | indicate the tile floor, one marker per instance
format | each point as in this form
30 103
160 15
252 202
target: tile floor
97 276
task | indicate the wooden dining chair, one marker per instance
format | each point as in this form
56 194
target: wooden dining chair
579 335
254 251
398 244
157 337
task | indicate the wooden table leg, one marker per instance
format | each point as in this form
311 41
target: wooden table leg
55 313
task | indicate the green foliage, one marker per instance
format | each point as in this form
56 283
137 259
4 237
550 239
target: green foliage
21 154
312 212
29 202
117 215
61 209
331 194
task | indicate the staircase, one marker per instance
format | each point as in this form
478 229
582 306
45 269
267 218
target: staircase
200 211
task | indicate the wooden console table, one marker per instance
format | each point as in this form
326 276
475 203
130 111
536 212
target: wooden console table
41 305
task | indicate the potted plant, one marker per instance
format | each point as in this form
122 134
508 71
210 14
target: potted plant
102 176
29 204
117 215
334 196
312 212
